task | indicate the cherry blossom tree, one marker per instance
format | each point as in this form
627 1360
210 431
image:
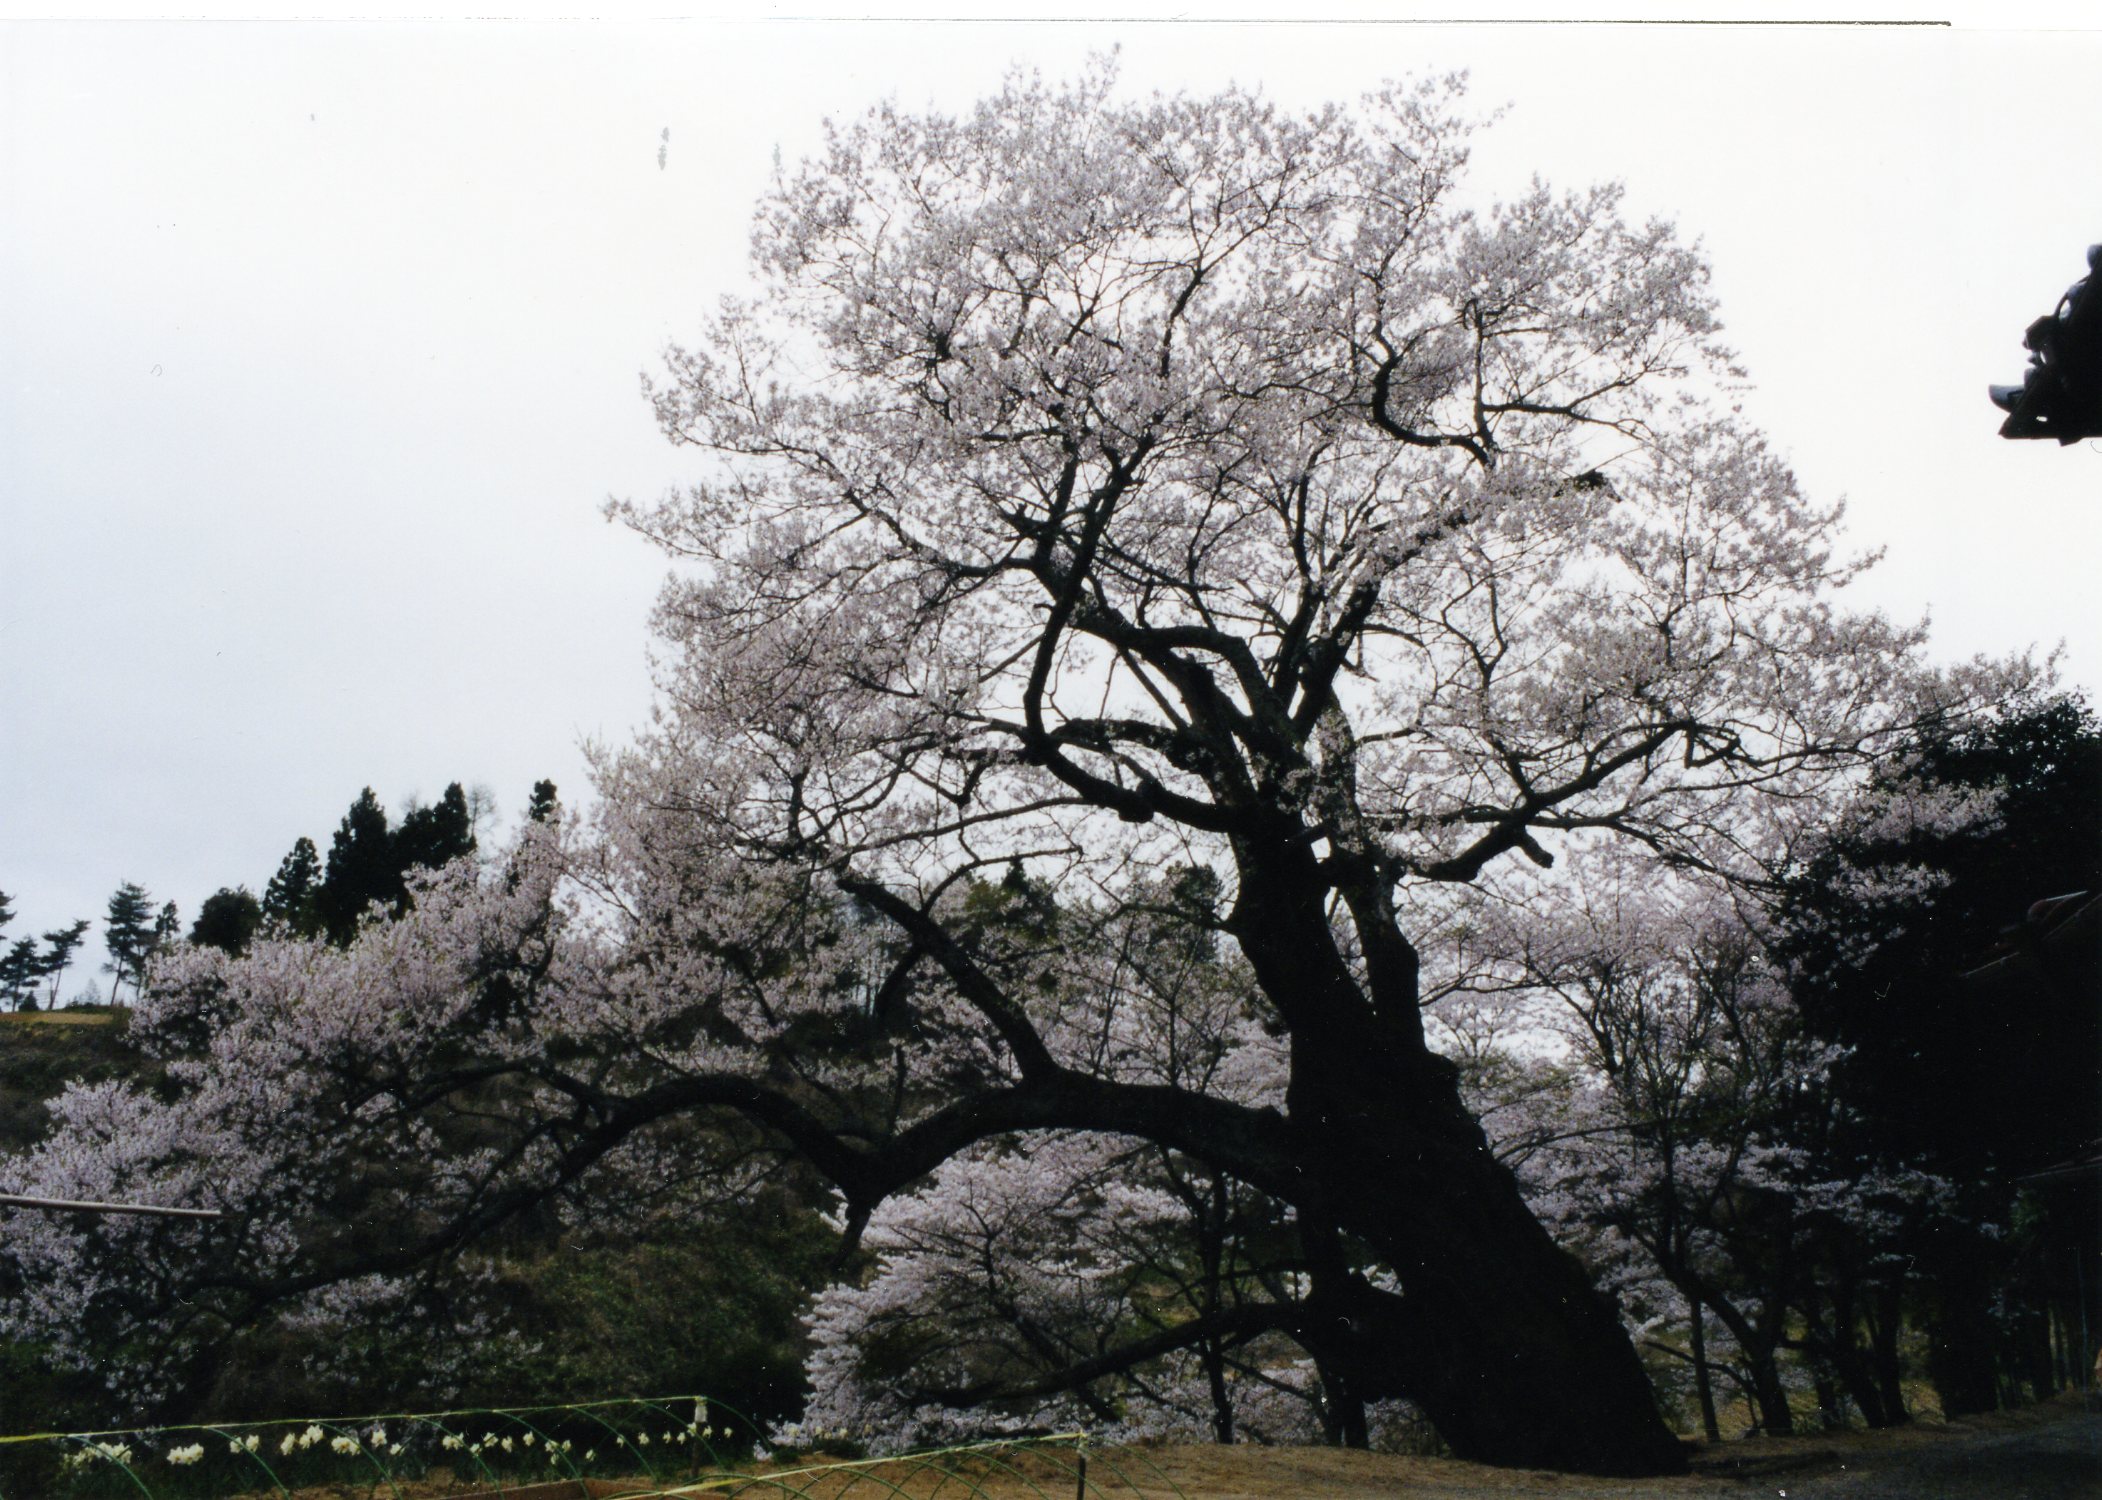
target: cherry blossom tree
276 1109
1664 1148
1010 1286
1094 489
1685 1134
1091 477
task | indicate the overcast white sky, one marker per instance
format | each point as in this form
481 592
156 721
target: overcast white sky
319 348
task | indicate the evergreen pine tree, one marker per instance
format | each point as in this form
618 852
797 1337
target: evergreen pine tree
435 835
288 901
1980 1081
544 804
58 957
18 975
367 862
361 870
18 964
130 937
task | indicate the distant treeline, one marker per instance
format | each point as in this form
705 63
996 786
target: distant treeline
368 863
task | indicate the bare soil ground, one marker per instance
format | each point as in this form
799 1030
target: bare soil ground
2049 1452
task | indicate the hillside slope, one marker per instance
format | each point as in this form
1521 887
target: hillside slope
40 1051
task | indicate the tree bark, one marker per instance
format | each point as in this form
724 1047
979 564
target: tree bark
1836 1351
1703 1378
1776 1416
1769 1396
1757 1343
1858 1378
1830 1414
1211 1233
1496 1333
1343 1422
1884 1329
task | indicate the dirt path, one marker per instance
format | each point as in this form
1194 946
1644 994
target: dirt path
2046 1453
2054 1461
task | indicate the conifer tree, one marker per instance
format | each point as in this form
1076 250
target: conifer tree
288 901
435 835
60 945
361 869
18 975
1981 1074
18 965
130 935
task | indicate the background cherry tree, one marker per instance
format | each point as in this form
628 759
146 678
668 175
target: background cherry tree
1632 1041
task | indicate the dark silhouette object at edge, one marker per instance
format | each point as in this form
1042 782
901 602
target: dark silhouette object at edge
2061 392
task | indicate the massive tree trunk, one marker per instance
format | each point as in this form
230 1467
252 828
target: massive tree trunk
1495 1332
